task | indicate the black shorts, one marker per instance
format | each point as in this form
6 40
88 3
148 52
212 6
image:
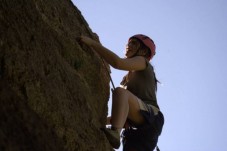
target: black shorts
144 137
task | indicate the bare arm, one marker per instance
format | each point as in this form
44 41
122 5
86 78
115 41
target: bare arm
135 63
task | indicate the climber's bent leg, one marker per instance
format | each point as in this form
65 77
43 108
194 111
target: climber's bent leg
125 105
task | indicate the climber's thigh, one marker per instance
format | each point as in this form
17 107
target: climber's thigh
134 109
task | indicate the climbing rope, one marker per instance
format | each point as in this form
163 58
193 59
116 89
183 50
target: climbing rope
108 72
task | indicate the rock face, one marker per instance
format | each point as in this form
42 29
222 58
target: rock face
53 91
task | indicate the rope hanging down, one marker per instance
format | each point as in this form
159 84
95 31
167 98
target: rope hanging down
108 72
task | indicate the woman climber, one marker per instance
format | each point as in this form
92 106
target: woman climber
135 102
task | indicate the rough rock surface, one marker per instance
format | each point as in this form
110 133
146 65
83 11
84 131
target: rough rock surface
53 91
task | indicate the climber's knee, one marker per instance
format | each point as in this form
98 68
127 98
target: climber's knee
119 90
120 95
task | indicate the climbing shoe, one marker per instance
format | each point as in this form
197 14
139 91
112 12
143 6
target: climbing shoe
113 137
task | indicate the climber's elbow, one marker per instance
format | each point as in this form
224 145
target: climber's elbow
117 63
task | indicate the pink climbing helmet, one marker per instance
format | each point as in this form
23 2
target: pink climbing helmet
147 41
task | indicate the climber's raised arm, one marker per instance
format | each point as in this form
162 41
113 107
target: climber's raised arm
131 62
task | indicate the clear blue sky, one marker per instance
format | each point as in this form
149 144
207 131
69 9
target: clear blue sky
191 62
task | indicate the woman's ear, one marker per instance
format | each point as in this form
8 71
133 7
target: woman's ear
141 52
137 46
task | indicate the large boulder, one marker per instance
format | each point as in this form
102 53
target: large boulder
53 90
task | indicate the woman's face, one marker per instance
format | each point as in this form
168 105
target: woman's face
132 47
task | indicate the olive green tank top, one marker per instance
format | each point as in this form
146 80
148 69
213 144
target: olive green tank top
142 84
